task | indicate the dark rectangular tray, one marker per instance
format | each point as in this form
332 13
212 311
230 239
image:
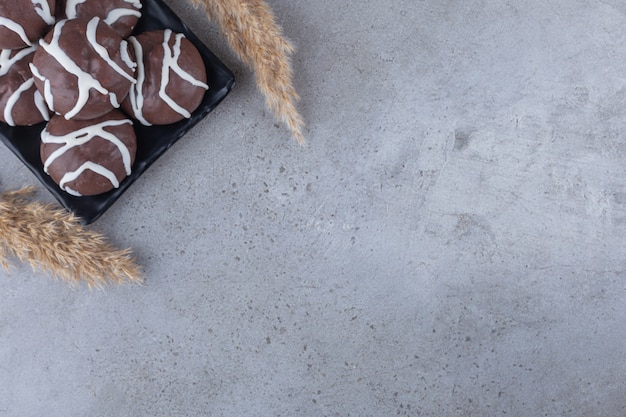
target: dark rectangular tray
152 141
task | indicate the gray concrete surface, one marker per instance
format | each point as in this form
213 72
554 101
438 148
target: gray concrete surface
451 242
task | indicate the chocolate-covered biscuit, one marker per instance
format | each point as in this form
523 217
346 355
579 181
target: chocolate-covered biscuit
171 78
121 15
23 22
20 102
88 157
83 68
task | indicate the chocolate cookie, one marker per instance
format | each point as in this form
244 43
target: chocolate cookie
83 68
23 22
20 102
171 78
88 157
121 15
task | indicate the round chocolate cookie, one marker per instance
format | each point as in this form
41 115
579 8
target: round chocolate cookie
83 68
121 15
88 157
23 22
171 78
20 102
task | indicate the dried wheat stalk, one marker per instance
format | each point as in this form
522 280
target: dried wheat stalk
52 239
252 32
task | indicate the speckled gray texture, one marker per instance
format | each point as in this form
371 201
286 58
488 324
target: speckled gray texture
450 243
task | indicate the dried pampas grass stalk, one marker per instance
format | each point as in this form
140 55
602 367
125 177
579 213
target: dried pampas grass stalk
53 240
252 32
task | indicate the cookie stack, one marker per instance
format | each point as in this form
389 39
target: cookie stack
74 64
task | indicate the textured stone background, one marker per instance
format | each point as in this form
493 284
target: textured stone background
450 243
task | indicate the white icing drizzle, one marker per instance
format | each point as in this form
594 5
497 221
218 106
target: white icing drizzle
113 99
92 166
13 99
125 56
47 89
170 62
41 105
44 11
135 3
84 135
70 8
136 90
116 14
102 51
72 192
6 61
112 16
86 81
15 28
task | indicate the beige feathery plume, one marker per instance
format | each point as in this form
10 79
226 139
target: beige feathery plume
252 32
53 240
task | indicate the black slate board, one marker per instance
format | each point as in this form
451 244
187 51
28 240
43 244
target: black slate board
152 141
